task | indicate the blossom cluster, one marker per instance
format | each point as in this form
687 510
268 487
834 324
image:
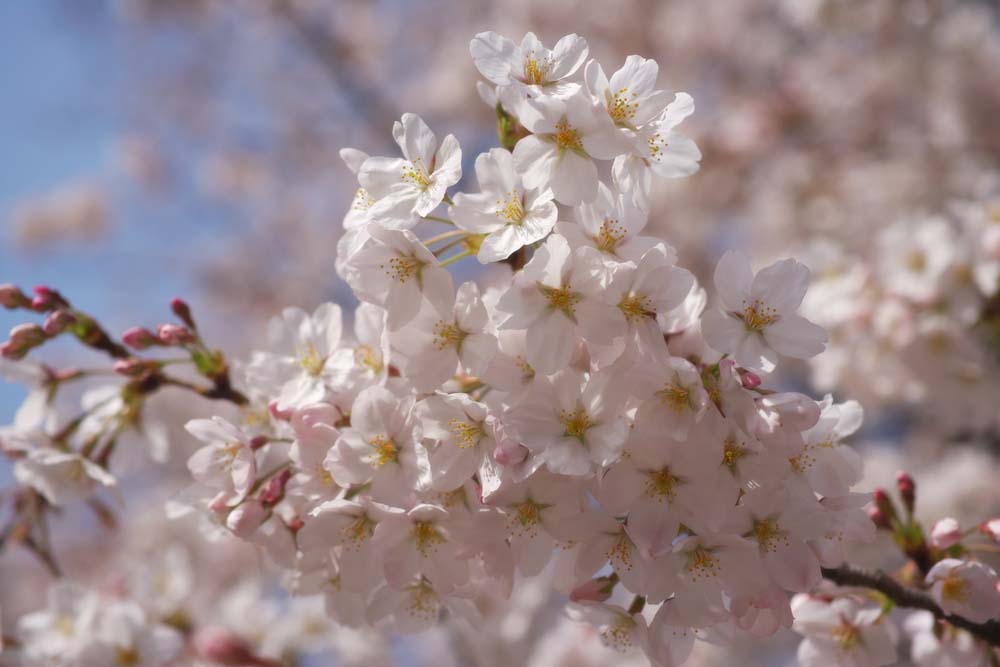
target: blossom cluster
921 304
584 413
581 408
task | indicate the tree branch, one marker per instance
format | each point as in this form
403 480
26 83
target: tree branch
847 575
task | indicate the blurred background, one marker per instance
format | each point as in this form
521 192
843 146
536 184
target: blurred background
189 147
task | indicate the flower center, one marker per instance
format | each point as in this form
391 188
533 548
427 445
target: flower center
447 334
415 173
468 434
401 268
511 209
535 71
622 106
568 137
385 451
701 564
311 361
675 396
757 315
422 602
768 534
575 422
358 531
847 635
618 636
366 356
426 536
127 656
610 236
955 589
733 453
562 299
657 147
636 307
662 484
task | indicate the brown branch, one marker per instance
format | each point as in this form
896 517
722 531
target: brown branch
847 575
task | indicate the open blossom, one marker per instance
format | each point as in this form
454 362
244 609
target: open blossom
757 321
463 435
62 477
965 588
570 423
436 343
567 136
935 645
558 298
841 633
395 271
225 462
414 185
300 363
611 224
509 214
529 65
379 446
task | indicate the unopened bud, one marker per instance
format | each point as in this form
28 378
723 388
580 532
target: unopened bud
946 533
139 338
182 311
878 517
749 380
991 528
884 504
47 299
274 490
280 415
27 334
223 647
12 297
173 334
907 490
595 590
258 442
57 322
246 518
134 367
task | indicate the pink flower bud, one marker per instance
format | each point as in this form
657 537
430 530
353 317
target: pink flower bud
750 380
274 490
182 310
13 352
259 441
945 533
133 367
907 489
246 518
280 415
57 322
595 590
12 297
223 647
991 528
47 299
27 335
878 517
139 338
173 334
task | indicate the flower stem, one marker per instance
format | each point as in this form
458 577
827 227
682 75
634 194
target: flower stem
455 258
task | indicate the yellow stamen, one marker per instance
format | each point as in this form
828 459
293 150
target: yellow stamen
385 451
561 299
620 107
401 268
675 396
415 173
662 484
467 434
757 315
311 361
576 422
701 564
447 334
511 209
426 536
567 137
610 236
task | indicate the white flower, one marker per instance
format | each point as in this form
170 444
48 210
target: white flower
658 149
629 97
420 543
414 185
557 298
298 365
379 445
940 645
672 393
611 224
915 256
619 630
830 467
567 135
226 462
509 214
126 638
571 423
395 271
63 629
62 477
842 634
437 342
349 525
758 321
529 64
464 439
965 588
